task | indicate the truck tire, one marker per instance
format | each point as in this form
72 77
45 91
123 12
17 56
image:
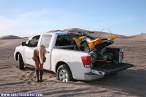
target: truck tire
20 63
63 73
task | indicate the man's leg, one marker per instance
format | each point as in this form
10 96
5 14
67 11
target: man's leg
37 73
41 72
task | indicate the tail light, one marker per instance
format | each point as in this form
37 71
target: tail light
86 61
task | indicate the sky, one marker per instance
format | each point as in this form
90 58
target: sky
28 17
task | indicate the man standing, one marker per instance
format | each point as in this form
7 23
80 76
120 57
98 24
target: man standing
39 58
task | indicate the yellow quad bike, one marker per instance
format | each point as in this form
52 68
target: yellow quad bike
91 44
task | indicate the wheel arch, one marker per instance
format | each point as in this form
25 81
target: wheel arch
60 63
16 55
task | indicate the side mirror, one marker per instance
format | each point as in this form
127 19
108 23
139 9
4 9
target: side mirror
23 43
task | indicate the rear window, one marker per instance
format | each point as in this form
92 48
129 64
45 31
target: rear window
64 40
45 40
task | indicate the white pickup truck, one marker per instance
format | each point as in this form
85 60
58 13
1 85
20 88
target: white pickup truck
65 60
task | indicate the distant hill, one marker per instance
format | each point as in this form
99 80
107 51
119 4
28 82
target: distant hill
10 37
100 34
138 36
91 33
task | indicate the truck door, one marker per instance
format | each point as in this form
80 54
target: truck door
29 49
45 40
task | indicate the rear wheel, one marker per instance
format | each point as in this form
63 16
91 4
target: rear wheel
20 63
63 73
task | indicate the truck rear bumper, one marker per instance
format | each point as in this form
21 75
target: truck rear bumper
100 73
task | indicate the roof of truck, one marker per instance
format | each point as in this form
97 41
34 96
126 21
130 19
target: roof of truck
61 32
56 32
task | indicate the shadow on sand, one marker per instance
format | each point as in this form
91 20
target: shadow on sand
129 83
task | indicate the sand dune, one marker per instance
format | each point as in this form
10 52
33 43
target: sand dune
138 37
91 33
9 43
10 37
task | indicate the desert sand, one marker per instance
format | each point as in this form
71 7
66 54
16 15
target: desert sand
129 83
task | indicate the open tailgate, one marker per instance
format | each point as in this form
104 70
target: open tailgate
114 68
